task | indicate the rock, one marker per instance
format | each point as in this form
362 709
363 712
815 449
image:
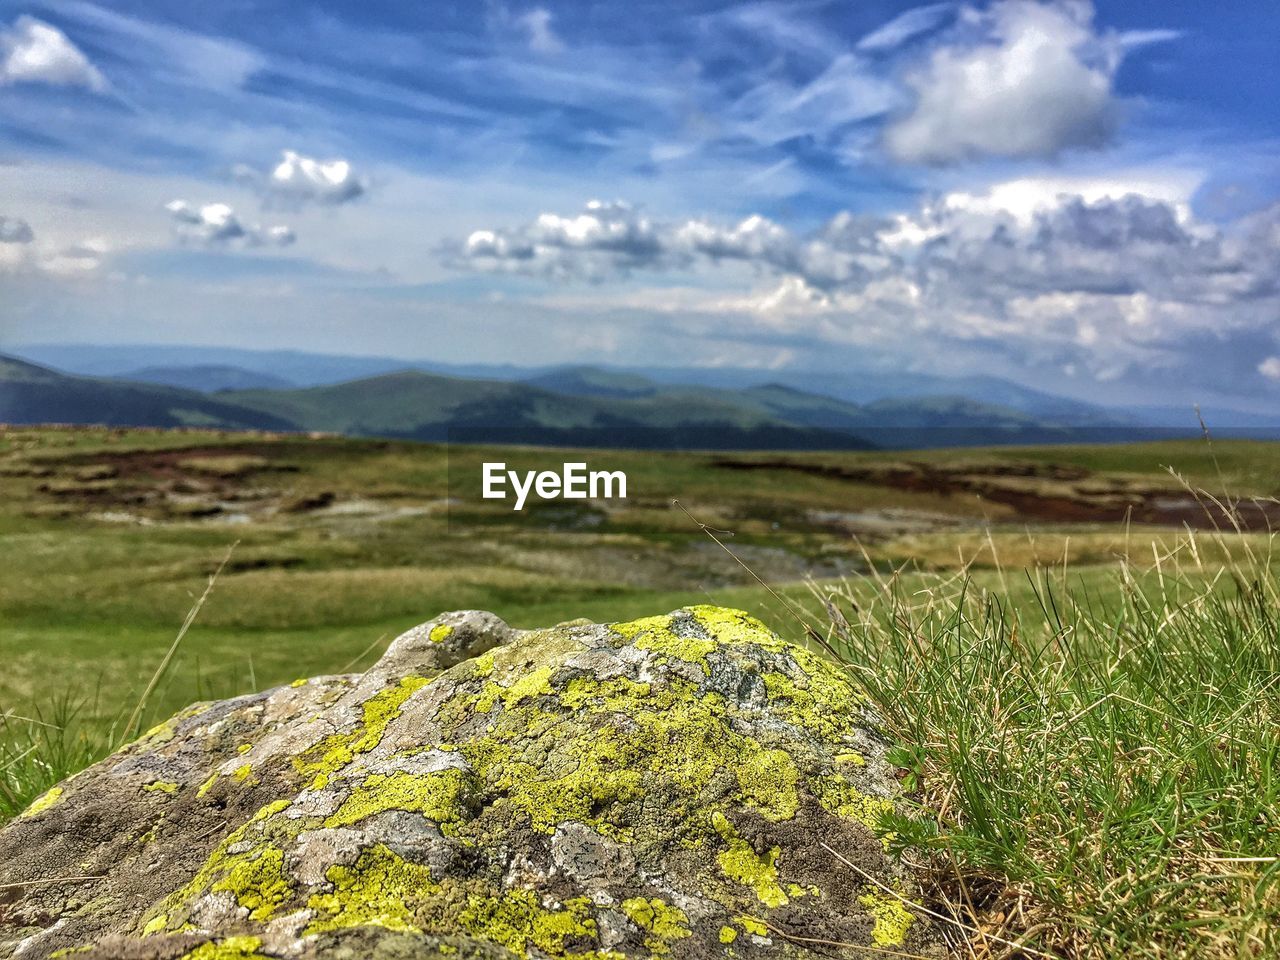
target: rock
660 788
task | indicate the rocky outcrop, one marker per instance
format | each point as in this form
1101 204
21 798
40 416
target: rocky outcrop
658 788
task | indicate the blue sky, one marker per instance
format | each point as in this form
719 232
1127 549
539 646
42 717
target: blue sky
1081 197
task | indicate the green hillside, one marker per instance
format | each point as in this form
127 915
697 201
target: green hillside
34 394
579 406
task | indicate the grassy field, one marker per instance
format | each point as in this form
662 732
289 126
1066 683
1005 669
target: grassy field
336 545
1054 646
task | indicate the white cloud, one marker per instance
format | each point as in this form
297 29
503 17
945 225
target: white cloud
538 31
533 28
604 240
1270 368
1022 79
217 225
76 260
846 91
1024 198
1101 278
14 230
169 54
32 51
298 179
614 239
26 256
904 27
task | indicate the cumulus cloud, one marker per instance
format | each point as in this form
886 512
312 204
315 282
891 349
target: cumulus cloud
1022 79
13 230
604 240
299 179
1098 279
217 225
1270 368
32 51
614 239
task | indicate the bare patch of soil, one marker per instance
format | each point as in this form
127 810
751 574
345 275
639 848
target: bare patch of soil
189 483
1045 492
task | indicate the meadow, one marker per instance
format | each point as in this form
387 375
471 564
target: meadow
1075 647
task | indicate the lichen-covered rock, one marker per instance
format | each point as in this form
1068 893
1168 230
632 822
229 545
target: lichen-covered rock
659 788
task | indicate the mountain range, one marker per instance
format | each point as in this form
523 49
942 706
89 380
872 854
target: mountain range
582 406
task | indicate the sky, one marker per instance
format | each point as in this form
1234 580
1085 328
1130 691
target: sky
1082 197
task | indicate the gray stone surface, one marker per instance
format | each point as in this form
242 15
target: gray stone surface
659 788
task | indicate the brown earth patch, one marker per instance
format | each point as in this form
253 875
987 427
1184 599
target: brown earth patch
1045 492
181 484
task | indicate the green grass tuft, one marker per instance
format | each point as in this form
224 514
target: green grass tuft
42 749
1098 773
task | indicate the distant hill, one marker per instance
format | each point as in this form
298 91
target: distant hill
415 405
317 369
35 394
571 406
594 382
209 378
593 407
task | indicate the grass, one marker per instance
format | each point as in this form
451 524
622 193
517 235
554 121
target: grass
1087 711
1097 774
43 749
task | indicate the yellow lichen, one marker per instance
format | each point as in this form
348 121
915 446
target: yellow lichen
254 876
533 684
336 751
242 773
676 734
155 732
155 924
440 633
741 863
434 795
751 925
160 786
517 920
655 633
892 919
207 785
767 779
661 922
728 935
839 796
43 802
795 891
593 775
618 694
821 701
380 889
258 883
727 625
232 948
